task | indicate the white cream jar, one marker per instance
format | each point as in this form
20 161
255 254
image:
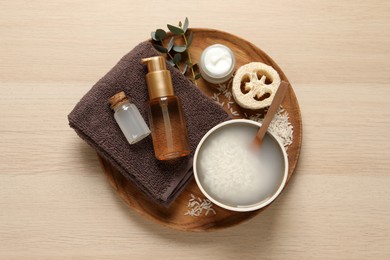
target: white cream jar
217 63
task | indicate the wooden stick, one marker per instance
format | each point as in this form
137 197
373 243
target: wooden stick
272 110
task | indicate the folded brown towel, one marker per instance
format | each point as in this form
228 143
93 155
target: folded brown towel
93 121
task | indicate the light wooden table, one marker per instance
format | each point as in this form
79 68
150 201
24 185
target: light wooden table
55 202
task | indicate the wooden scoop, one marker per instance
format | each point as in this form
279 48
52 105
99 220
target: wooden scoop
272 110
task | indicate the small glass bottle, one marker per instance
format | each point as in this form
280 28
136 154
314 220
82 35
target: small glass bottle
128 118
169 132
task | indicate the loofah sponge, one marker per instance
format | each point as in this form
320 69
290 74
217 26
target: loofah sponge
255 85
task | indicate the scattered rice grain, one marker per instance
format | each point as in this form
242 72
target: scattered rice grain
196 206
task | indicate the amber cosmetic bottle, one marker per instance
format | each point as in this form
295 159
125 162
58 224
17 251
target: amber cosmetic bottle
166 120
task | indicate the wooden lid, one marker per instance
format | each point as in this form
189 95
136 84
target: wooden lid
117 99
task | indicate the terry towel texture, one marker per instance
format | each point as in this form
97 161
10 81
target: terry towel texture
93 121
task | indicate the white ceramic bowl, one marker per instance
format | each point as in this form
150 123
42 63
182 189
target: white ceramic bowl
271 175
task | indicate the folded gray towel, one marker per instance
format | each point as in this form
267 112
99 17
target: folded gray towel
93 121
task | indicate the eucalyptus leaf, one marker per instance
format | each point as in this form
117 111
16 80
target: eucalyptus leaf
189 41
171 62
198 76
170 44
160 34
185 68
153 35
185 26
160 48
179 48
195 66
175 30
177 58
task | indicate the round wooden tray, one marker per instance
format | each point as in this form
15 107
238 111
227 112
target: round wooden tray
175 216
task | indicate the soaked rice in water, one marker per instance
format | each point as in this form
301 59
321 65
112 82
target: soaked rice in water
235 173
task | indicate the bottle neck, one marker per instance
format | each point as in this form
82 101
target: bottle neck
123 105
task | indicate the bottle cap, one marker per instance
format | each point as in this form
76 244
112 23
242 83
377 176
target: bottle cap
158 78
117 99
155 63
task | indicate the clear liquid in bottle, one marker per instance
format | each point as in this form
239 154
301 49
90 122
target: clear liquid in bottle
129 119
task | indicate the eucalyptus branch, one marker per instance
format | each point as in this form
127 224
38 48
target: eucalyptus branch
189 59
174 51
168 54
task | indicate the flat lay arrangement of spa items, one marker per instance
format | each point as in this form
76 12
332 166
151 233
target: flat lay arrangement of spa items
156 123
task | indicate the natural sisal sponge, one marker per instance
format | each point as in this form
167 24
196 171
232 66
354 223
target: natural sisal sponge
255 85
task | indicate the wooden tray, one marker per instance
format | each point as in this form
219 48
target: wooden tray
175 216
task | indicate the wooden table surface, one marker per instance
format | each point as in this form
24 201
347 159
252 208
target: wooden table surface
55 202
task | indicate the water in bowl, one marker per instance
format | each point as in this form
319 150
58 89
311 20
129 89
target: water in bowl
235 173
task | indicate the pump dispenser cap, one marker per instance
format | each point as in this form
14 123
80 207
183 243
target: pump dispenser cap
158 78
155 63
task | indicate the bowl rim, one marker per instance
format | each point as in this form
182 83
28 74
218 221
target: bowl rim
251 207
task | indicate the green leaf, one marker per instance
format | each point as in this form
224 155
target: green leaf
189 41
175 30
160 48
177 58
185 69
170 44
180 24
171 62
195 66
185 26
179 48
153 35
198 76
160 34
